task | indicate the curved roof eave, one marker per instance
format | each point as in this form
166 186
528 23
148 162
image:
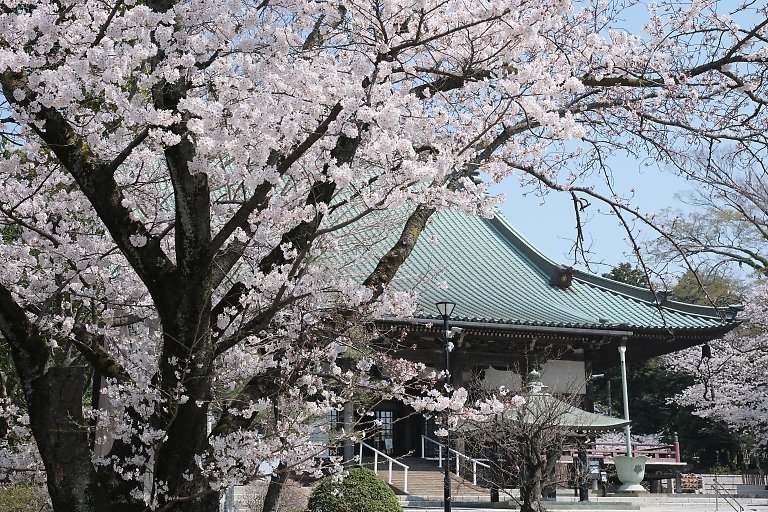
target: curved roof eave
594 330
549 267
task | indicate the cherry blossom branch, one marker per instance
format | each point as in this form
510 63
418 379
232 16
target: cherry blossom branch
125 153
259 197
92 348
96 182
103 29
21 222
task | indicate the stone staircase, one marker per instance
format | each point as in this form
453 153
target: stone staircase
745 486
425 482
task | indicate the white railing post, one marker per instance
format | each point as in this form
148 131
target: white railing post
459 456
423 451
390 461
717 495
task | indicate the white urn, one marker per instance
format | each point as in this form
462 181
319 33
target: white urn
631 471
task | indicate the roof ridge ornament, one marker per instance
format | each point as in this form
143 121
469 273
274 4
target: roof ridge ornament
562 277
730 312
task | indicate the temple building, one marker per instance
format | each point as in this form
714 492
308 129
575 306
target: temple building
516 310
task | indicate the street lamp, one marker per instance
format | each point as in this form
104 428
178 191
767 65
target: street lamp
624 394
445 309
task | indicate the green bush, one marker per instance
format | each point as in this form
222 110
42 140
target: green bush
21 498
360 491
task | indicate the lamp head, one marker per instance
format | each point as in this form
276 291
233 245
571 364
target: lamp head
445 308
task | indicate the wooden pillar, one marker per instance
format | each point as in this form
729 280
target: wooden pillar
589 386
347 421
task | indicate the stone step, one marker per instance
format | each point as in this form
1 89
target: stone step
603 504
425 480
752 491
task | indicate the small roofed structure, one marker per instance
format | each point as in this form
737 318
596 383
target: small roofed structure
563 415
559 414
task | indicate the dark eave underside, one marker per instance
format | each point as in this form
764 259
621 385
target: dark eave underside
506 344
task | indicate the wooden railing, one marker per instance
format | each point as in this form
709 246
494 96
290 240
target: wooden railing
659 453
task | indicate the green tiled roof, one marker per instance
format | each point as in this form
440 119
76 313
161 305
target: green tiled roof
495 276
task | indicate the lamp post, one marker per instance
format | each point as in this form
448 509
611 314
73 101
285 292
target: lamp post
445 309
625 395
629 468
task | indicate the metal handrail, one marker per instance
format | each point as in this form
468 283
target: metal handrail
459 455
376 454
721 491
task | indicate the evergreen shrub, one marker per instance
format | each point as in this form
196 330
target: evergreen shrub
359 491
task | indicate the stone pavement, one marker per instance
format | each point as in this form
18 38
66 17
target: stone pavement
651 503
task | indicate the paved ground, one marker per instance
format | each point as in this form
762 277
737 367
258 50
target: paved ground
663 503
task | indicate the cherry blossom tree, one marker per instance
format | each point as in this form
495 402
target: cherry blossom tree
726 221
732 380
191 193
522 442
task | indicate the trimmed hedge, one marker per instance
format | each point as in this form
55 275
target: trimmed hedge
359 491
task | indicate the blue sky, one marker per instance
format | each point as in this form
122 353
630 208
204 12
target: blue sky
549 222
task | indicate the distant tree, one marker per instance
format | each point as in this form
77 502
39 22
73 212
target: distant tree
726 222
626 273
522 443
708 289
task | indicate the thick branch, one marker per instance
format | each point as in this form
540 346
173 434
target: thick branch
92 348
257 388
21 334
389 264
95 180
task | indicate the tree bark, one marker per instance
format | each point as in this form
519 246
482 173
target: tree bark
3 395
275 489
62 440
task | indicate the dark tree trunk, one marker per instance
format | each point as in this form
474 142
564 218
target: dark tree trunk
62 440
275 489
3 395
531 476
187 423
550 482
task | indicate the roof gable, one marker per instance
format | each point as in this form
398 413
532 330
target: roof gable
496 276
